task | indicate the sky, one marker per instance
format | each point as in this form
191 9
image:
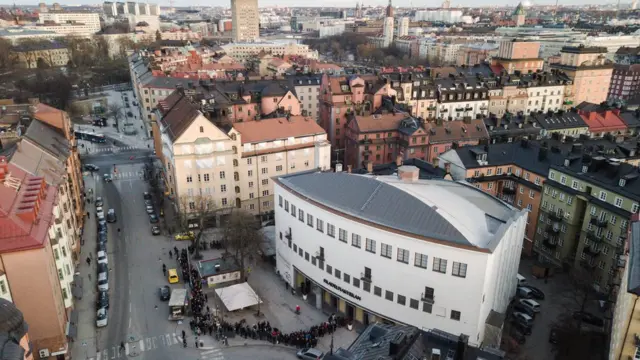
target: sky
338 3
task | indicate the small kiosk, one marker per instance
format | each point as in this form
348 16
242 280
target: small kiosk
178 304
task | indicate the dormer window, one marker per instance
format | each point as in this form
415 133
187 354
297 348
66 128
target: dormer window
585 168
201 129
622 182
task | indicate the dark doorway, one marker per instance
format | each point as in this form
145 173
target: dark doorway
365 318
334 302
350 312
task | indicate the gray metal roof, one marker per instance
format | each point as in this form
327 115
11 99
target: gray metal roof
375 201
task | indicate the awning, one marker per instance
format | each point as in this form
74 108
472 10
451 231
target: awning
237 297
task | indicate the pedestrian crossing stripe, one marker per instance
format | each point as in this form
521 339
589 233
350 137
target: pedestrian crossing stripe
114 149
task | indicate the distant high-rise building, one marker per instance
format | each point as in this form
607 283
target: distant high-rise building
403 27
446 4
519 15
634 4
246 20
387 29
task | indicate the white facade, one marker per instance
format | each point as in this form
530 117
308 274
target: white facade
544 98
5 291
80 22
403 27
61 235
445 16
245 51
471 108
330 30
152 20
402 274
387 32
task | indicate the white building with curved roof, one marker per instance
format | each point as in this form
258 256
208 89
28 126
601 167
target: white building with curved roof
428 253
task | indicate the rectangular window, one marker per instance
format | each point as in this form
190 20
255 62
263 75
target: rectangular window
342 235
223 188
310 220
356 240
319 225
331 230
403 256
402 300
264 171
603 196
459 269
346 278
420 260
455 315
370 245
439 265
60 274
388 295
618 202
377 291
356 282
222 176
413 303
329 269
426 307
300 215
293 210
337 273
286 205
366 286
206 177
385 250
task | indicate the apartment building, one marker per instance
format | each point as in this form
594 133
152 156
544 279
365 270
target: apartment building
28 260
70 22
243 51
512 128
563 123
41 55
460 97
476 54
589 71
521 56
308 92
231 166
605 122
587 205
525 93
625 83
627 55
415 90
246 20
364 245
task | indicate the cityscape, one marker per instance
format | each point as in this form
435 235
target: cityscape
366 181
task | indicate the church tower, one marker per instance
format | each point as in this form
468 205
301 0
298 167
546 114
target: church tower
519 15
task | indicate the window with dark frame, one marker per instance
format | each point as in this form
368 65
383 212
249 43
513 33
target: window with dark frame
455 315
329 269
331 230
403 256
459 269
413 303
319 225
429 293
377 291
337 273
301 215
420 260
386 250
356 282
346 278
426 307
440 265
342 235
310 220
370 245
366 286
388 295
356 240
402 300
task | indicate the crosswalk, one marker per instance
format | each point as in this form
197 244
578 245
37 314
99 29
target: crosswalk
127 175
135 348
111 149
213 354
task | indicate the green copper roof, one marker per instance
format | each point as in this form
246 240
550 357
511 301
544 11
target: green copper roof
519 10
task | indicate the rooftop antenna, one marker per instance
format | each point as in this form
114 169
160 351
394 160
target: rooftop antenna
618 11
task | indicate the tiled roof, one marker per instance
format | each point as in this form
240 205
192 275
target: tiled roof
179 115
49 139
559 120
603 122
277 129
383 122
50 115
450 131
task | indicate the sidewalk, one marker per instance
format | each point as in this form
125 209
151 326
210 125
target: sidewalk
85 345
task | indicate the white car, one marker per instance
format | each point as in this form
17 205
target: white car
101 317
102 257
150 209
103 282
531 304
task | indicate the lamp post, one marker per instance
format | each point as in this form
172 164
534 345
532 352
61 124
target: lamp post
332 321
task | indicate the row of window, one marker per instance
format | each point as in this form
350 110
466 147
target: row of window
402 255
365 281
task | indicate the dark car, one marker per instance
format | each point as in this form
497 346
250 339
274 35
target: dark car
164 293
102 237
153 218
102 228
155 230
148 203
588 318
91 167
102 246
524 309
111 216
535 292
521 327
102 268
146 196
518 336
103 300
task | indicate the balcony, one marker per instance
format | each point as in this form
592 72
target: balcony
621 261
459 109
589 264
554 228
592 250
365 141
431 107
428 298
365 277
468 108
483 107
556 216
593 236
288 235
508 190
549 243
601 223
444 110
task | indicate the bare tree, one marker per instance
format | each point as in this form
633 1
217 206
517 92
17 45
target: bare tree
125 43
196 209
115 111
242 236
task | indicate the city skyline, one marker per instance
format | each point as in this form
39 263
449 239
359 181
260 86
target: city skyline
335 3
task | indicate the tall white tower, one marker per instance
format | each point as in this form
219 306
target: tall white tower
387 29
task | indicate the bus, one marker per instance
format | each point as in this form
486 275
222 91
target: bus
93 137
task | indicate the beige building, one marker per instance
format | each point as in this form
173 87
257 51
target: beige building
308 92
41 55
233 168
246 20
247 51
589 71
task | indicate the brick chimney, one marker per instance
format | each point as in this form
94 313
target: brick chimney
408 173
33 192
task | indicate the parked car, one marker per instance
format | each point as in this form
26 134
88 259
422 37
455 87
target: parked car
155 230
588 318
524 309
91 167
102 268
522 317
102 257
103 281
532 292
310 354
150 209
518 336
146 196
103 300
521 327
185 236
111 216
164 293
153 218
148 203
102 246
107 178
532 304
101 318
99 202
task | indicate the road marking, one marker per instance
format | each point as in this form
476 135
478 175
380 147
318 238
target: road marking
114 353
141 345
169 341
126 349
98 356
210 352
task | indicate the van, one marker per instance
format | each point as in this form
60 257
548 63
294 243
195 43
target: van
531 304
172 275
103 282
524 293
522 281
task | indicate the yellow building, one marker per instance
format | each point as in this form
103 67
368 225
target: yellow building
40 55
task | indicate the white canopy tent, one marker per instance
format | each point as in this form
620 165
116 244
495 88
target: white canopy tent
238 296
